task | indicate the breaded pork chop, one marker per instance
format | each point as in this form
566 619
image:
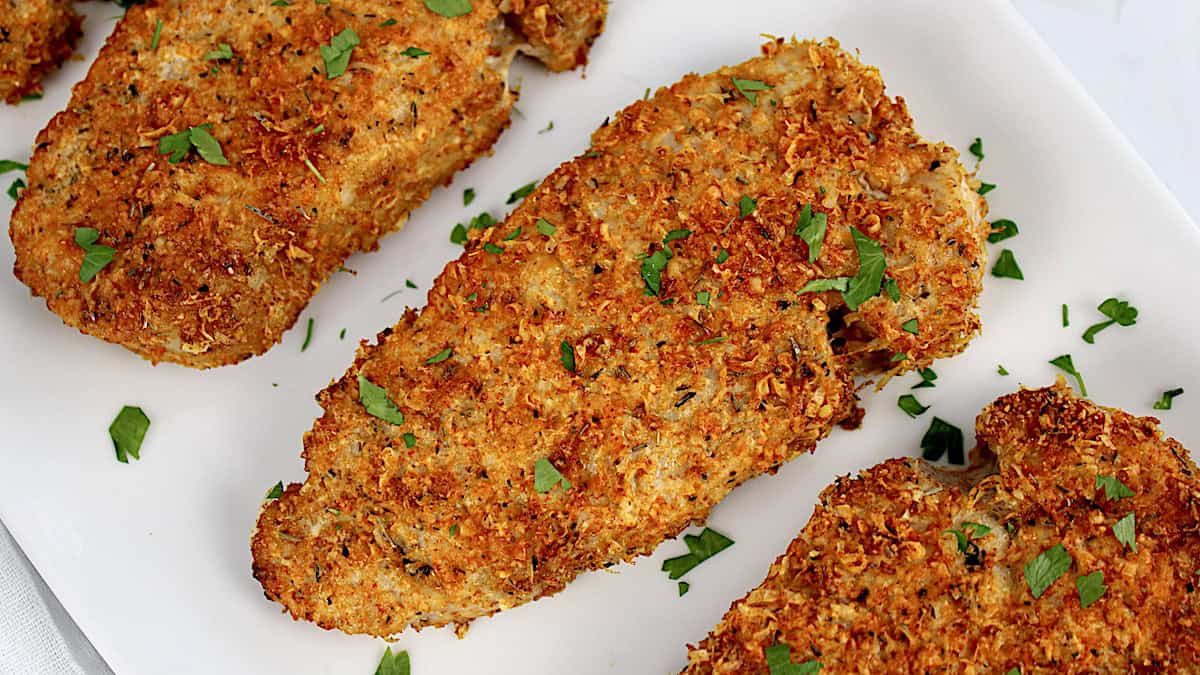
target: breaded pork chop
878 581
35 36
565 341
330 139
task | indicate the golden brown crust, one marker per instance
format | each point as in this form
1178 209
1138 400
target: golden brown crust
213 263
671 405
874 583
35 37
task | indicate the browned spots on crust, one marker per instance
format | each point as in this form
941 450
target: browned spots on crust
35 37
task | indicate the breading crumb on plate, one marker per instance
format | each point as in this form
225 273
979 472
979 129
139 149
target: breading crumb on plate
232 154
909 569
596 372
35 37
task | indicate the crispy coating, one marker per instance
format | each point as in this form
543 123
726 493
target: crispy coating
874 583
35 37
214 263
672 403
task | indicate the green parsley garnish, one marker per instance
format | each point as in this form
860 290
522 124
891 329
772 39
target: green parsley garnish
409 283
963 537
439 357
568 356
95 256
280 3
549 127
746 206
342 335
898 357
892 288
127 431
454 530
911 326
221 53
700 548
14 190
1002 370
779 662
1124 530
410 440
927 378
492 248
1002 229
449 8
545 477
985 188
652 269
375 399
458 235
521 192
822 285
389 22
910 405
684 587
869 278
1119 312
7 165
415 52
676 235
748 88
811 228
1164 401
942 438
703 297
513 235
157 35
313 169
1066 317
1046 568
1114 489
1064 362
722 255
1090 587
468 196
178 145
482 221
307 334
711 341
276 491
545 227
394 664
1006 266
976 148
337 54
977 529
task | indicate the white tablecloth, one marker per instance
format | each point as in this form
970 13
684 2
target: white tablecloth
1139 59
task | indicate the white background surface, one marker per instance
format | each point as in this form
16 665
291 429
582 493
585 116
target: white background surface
152 556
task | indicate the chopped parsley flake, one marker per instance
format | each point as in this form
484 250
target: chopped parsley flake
409 283
1066 365
178 145
722 255
458 235
985 188
376 402
892 288
869 278
779 662
1002 370
711 341
898 357
454 530
1114 489
313 169
492 248
521 193
1006 266
822 285
221 53
276 491
911 406
1066 316
415 52
389 22
513 235
95 256
927 378
676 235
394 663
911 326
700 548
439 357
127 431
977 529
1002 229
307 335
545 477
684 587
1164 401
342 335
157 35
449 8
482 221
748 88
811 228
549 127
1090 587
468 196
7 165
652 269
1124 530
545 227
1046 568
703 297
568 356
976 148
746 206
337 54
942 438
410 440
14 190
1119 312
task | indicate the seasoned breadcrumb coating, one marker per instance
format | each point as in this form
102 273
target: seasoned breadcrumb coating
35 37
213 263
875 582
653 407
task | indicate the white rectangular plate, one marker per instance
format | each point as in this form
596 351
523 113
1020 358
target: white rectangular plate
152 560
